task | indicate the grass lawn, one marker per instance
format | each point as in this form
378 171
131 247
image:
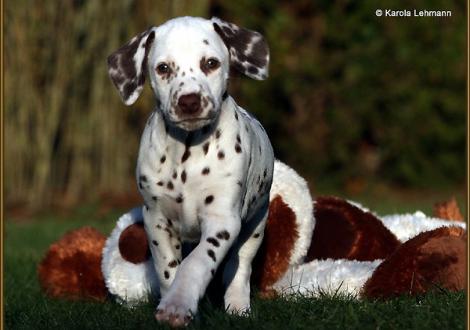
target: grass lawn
25 307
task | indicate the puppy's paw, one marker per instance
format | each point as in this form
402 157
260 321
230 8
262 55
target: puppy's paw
239 311
175 312
237 304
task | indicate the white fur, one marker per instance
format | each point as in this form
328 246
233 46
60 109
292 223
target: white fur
326 277
128 282
407 226
180 41
224 209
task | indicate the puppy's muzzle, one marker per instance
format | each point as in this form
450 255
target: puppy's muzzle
190 105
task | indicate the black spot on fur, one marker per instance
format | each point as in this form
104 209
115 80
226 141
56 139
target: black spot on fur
205 41
143 178
205 170
177 247
169 232
169 185
223 235
217 133
160 183
209 199
154 242
211 254
221 155
162 160
186 155
238 138
175 175
183 176
179 199
213 241
166 274
205 147
256 235
236 116
238 149
154 198
212 272
173 264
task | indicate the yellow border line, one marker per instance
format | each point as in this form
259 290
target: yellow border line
1 163
468 162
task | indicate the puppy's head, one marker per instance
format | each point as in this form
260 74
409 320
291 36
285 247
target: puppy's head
188 61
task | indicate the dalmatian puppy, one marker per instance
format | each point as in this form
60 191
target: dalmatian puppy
205 164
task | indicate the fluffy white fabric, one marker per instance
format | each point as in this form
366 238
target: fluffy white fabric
407 226
326 277
128 282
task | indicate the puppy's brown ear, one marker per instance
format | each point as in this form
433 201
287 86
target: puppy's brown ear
249 51
127 66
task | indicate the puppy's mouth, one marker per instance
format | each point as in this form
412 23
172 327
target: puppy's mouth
191 124
192 120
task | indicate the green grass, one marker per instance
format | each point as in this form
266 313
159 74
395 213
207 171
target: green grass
27 308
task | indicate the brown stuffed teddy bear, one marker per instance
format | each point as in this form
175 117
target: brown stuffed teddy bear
330 245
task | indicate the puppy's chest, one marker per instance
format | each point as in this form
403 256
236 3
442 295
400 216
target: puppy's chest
187 180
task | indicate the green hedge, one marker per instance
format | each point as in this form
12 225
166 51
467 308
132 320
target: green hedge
354 96
351 97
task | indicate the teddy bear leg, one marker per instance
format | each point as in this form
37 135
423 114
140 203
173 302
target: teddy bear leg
432 260
127 263
71 267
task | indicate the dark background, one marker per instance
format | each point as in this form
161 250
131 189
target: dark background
359 105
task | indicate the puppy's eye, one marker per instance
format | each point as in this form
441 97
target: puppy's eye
163 68
212 63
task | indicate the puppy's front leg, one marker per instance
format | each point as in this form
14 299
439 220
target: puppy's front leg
197 269
237 271
165 246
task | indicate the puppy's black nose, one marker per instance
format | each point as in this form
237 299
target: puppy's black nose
190 104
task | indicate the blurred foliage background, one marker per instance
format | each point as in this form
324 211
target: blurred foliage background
352 101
